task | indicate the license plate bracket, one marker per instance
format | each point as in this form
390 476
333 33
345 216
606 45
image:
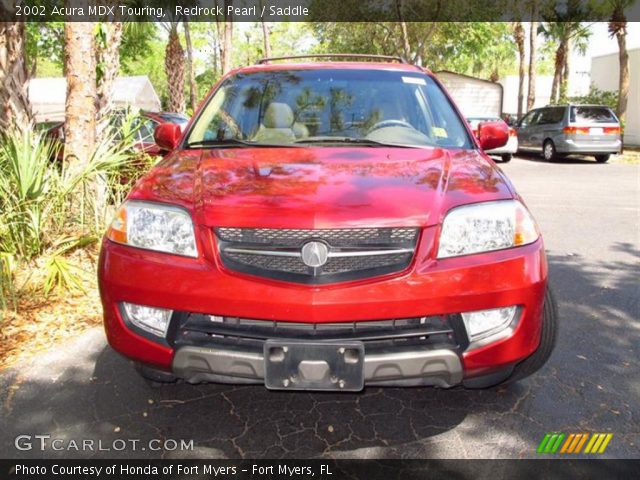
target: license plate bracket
299 365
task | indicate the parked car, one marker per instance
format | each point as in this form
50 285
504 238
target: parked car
146 123
326 226
561 130
505 152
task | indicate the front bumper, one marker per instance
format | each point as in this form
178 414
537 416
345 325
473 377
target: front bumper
428 287
441 368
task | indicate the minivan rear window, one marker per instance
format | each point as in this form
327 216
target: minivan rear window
592 115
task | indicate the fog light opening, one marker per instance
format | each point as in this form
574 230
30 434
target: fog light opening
487 323
150 319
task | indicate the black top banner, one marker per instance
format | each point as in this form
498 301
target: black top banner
319 10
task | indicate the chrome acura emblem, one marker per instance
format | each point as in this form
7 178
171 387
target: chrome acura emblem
314 254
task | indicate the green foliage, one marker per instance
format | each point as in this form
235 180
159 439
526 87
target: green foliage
151 64
597 97
49 209
60 273
477 48
8 297
44 48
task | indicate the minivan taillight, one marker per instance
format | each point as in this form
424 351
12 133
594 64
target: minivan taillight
512 132
576 130
611 130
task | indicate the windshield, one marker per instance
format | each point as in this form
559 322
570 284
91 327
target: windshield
329 106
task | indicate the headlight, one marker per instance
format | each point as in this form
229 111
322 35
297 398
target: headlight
484 227
154 226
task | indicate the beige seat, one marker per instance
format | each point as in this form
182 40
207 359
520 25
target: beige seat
278 125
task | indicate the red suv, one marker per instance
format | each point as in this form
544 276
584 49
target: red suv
326 226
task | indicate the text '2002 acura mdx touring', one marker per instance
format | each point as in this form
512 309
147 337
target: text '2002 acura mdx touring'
326 226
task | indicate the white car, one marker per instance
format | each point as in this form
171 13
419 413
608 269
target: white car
505 152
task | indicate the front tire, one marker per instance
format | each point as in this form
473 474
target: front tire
549 151
602 158
548 338
154 376
506 157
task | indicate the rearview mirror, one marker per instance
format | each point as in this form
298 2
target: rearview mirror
493 135
167 136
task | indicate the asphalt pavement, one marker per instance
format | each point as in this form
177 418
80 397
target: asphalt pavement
589 214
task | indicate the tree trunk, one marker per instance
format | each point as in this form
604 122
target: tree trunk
623 86
533 44
267 40
518 33
174 67
566 74
80 106
227 46
406 47
108 63
193 89
557 74
15 108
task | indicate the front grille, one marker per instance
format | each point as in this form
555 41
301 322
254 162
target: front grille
353 253
211 330
339 237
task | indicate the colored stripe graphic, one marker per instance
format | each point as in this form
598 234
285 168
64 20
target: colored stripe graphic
550 443
579 446
573 443
598 443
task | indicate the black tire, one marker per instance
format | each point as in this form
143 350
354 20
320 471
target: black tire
155 376
602 158
506 157
549 151
548 339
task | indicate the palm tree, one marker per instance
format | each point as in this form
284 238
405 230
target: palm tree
225 43
15 110
174 68
533 46
80 107
565 34
618 28
267 40
518 35
108 43
406 46
193 96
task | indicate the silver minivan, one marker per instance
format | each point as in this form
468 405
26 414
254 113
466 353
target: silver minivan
560 130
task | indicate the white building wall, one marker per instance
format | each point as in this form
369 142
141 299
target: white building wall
578 85
605 74
473 96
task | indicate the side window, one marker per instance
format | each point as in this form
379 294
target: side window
545 117
148 127
557 115
529 119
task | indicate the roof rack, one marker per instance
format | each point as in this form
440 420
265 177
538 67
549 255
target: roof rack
361 56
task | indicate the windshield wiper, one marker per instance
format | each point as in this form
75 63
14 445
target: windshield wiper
354 141
231 142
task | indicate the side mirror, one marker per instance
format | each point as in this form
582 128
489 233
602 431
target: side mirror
493 135
167 136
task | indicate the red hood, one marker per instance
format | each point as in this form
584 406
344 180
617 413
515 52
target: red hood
323 187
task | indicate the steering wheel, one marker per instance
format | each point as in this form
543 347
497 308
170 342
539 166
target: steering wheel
391 123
